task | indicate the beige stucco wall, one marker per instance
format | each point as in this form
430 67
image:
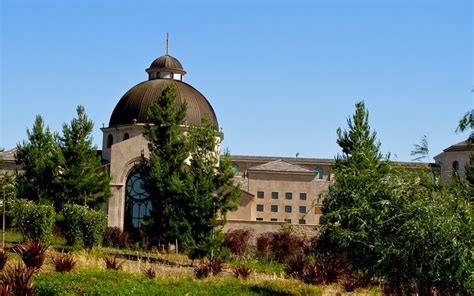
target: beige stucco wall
123 157
445 161
283 182
259 227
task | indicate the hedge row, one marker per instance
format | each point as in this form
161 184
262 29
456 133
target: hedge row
82 226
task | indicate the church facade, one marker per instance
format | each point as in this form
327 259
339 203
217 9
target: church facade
275 190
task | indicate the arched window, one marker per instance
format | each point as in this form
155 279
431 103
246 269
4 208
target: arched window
110 141
319 173
137 202
456 166
126 136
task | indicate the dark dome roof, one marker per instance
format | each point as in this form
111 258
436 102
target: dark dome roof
167 62
134 105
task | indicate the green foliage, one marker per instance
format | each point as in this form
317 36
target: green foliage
360 148
467 123
62 169
191 190
82 180
400 225
111 282
421 151
83 226
35 222
39 158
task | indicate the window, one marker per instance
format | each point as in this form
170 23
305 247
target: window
302 221
260 194
275 195
126 136
456 166
137 202
259 208
303 209
319 173
287 209
273 219
110 141
259 219
288 220
302 196
274 208
288 195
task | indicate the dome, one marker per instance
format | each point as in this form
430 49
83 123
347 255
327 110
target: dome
134 105
167 62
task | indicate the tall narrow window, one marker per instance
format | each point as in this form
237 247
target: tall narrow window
137 202
319 173
456 166
110 141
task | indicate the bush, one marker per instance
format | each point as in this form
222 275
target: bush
238 241
63 262
32 253
115 237
83 226
113 263
202 270
242 271
17 280
325 270
150 273
3 259
35 222
281 246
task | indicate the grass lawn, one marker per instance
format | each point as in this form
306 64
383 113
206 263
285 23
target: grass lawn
109 282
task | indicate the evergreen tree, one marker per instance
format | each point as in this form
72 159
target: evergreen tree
191 190
415 232
83 180
38 157
163 172
360 148
209 195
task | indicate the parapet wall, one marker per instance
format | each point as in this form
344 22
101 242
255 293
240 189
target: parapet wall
259 227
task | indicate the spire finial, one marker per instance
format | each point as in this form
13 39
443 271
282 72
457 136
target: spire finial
167 42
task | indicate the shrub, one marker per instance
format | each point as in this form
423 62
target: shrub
113 263
326 270
242 271
17 280
115 237
35 222
202 270
3 259
32 253
215 265
83 226
238 241
281 246
63 262
150 273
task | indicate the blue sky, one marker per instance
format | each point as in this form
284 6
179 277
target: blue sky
282 76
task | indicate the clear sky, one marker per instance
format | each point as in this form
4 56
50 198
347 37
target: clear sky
282 76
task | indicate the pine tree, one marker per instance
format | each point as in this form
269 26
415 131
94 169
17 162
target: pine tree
38 157
191 189
360 148
163 172
83 180
210 193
